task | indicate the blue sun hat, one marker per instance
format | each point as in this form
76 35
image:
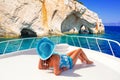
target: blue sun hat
45 48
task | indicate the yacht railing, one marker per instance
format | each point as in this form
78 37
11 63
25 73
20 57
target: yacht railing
103 45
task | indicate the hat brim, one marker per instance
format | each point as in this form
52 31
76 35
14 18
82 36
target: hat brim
49 48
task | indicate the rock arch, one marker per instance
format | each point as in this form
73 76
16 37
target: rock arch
25 32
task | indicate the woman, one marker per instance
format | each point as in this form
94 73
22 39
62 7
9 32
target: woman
59 62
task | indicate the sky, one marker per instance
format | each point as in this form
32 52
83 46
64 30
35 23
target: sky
107 10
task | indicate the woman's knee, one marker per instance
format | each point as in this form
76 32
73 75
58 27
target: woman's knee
79 49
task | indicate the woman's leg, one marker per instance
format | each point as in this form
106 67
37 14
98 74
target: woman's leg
74 55
83 58
79 54
70 53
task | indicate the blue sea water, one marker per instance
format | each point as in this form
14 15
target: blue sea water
111 32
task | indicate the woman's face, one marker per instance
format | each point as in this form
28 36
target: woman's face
45 64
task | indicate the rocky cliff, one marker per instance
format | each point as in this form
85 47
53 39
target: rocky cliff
47 17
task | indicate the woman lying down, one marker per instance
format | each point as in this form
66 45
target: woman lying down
59 62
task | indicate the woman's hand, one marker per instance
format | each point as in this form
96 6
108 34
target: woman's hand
43 64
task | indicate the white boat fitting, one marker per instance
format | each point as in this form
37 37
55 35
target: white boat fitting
23 65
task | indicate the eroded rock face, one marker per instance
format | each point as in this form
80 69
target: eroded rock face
45 15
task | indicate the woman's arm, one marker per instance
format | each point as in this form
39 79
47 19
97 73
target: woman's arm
55 62
42 64
57 70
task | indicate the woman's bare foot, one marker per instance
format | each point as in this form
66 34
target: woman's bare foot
89 62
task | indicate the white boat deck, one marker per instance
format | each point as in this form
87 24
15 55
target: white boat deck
23 65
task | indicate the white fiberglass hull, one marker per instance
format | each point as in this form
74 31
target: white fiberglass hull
23 65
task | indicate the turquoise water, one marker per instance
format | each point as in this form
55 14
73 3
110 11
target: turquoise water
111 32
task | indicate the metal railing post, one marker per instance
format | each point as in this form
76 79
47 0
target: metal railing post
79 42
32 42
87 43
98 45
20 44
73 41
111 48
6 47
